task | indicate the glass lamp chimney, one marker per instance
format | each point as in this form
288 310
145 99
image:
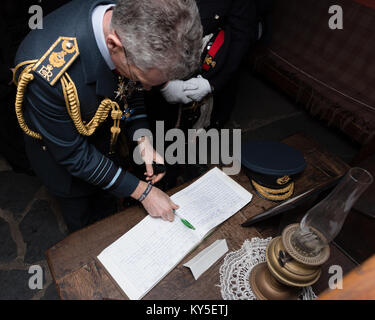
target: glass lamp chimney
322 223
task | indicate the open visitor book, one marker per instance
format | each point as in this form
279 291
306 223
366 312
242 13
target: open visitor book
144 255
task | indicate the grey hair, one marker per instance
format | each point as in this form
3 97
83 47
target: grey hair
163 34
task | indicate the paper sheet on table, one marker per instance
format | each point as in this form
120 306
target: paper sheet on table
207 257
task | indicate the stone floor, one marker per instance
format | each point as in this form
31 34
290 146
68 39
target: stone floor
29 225
30 222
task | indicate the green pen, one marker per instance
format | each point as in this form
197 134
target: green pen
184 221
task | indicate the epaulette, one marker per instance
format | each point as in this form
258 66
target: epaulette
58 58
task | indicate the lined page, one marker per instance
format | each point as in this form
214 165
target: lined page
144 255
211 200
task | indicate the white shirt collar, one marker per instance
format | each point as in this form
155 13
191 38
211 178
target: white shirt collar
97 24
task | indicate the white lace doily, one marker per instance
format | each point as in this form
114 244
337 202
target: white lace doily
235 271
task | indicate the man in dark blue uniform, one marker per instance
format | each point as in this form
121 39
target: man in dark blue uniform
80 83
229 28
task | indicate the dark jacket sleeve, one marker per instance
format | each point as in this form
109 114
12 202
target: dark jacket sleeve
240 23
45 109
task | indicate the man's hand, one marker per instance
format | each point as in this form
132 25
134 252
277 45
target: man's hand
149 155
201 88
194 89
173 92
157 203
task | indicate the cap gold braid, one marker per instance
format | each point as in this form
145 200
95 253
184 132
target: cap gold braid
270 193
72 106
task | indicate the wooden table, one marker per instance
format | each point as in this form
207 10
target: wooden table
79 275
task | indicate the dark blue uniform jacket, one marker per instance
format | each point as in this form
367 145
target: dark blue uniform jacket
68 163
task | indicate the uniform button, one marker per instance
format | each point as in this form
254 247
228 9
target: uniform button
44 148
217 17
69 45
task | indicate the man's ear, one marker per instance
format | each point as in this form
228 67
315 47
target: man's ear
113 43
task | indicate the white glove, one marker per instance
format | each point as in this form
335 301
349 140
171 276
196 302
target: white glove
201 88
174 92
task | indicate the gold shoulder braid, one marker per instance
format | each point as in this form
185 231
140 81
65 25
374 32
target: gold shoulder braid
52 67
23 81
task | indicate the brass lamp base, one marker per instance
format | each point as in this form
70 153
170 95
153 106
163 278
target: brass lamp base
287 269
266 287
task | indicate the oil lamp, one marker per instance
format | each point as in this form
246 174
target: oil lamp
294 259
